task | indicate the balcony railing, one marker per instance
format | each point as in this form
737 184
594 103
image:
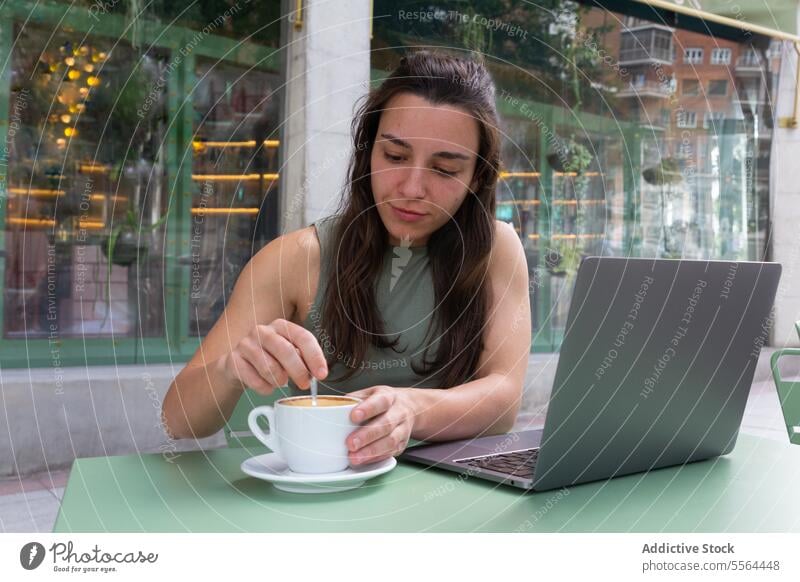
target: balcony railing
646 53
646 89
749 60
632 23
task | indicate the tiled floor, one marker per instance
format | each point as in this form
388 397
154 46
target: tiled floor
31 504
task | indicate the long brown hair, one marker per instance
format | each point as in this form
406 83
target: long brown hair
350 313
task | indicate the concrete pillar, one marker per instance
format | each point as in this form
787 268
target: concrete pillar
785 208
328 70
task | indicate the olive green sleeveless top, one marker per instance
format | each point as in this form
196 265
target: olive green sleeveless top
406 302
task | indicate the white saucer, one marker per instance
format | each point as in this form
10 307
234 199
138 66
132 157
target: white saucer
270 467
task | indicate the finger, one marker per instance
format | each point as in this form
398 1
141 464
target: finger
366 435
248 375
363 393
310 350
388 446
378 403
266 366
376 452
285 353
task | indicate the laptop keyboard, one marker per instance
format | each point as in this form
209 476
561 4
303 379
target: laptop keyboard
517 464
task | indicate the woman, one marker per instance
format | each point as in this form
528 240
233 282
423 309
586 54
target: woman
411 285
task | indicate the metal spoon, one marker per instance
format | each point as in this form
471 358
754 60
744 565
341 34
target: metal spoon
313 391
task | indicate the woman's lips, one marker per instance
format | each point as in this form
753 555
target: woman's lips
407 216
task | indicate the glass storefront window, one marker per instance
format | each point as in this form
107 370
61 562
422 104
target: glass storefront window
82 155
623 136
234 179
140 173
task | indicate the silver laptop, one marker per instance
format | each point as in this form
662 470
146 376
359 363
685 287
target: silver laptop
654 370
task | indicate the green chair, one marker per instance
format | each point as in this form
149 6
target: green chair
788 392
237 433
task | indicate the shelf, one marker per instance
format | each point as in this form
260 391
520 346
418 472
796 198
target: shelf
234 177
50 193
591 236
205 210
200 144
552 202
49 222
507 175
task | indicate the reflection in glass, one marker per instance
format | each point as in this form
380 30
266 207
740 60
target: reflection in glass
83 156
622 135
234 180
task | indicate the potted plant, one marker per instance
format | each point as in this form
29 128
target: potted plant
666 174
573 159
570 156
562 258
125 245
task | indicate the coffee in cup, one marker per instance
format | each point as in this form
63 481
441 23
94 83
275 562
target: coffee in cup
321 401
308 438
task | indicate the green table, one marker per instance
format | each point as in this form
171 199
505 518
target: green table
754 489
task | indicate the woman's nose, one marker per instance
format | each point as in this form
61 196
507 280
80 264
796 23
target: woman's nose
413 183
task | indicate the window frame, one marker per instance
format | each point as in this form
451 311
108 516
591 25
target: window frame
712 119
698 56
683 118
691 82
712 93
715 56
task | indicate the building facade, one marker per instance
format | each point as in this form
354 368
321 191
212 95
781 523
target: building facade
148 155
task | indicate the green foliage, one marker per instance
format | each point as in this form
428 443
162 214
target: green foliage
131 231
563 257
579 157
666 172
131 224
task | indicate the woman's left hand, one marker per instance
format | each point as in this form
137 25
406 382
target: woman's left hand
387 415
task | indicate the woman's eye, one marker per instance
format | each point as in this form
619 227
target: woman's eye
397 159
444 172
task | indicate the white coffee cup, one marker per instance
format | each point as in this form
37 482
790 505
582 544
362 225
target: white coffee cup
310 439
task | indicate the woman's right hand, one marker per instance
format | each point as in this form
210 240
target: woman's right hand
270 354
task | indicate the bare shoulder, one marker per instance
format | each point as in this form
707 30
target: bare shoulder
289 251
288 268
507 249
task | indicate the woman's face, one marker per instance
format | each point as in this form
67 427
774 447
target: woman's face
422 162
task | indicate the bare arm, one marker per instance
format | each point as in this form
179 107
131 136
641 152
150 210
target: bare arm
488 405
253 343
